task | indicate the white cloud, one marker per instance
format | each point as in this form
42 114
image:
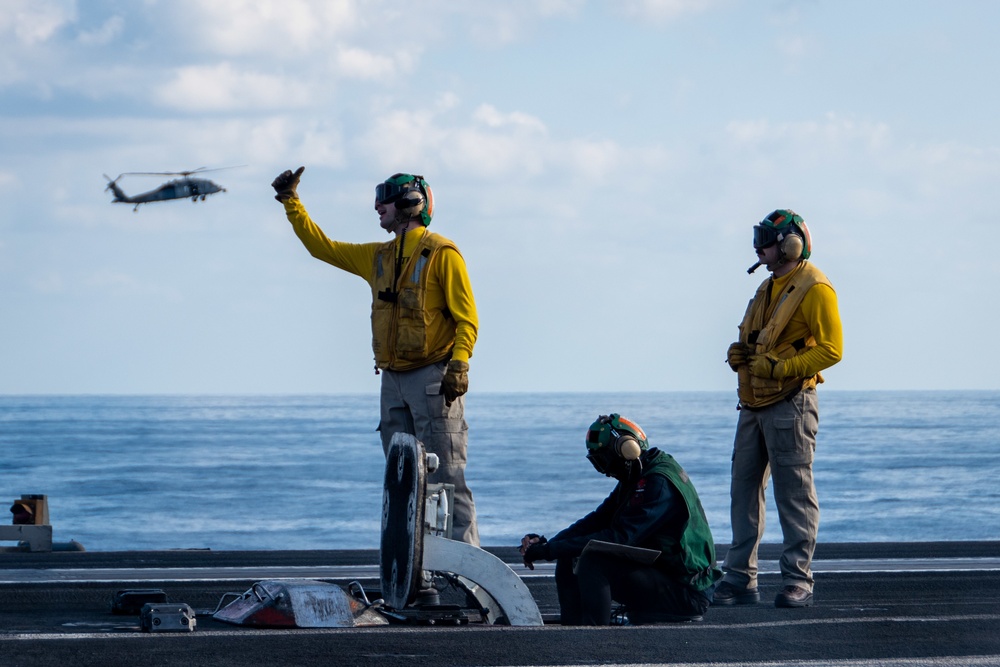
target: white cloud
222 87
494 154
266 139
555 7
447 101
834 131
489 143
863 160
320 145
488 115
663 10
497 23
227 49
109 31
28 31
494 143
279 29
793 46
594 159
31 22
358 63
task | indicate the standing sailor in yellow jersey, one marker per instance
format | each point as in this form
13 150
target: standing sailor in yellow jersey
791 331
424 323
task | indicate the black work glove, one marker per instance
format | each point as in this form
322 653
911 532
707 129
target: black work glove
539 550
455 381
737 355
285 184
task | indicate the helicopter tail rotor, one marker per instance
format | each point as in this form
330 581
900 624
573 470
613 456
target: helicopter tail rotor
113 186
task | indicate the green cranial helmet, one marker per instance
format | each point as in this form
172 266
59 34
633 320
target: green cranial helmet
613 436
410 193
779 228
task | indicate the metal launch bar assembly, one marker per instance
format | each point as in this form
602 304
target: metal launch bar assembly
421 568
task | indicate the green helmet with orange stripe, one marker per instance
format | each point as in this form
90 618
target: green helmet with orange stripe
613 443
786 228
410 193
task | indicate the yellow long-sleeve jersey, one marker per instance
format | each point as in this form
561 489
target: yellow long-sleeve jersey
819 316
448 284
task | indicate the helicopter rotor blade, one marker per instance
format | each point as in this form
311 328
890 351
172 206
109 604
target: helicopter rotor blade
157 173
206 169
179 173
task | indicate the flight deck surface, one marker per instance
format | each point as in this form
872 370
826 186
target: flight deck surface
880 603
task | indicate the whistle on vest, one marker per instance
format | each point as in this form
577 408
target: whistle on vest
388 296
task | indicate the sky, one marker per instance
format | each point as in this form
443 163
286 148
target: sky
600 164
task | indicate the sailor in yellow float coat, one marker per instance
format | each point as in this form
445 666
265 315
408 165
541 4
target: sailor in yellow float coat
793 323
791 331
424 324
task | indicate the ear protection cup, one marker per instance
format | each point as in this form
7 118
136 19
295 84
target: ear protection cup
791 247
628 448
613 441
415 198
411 203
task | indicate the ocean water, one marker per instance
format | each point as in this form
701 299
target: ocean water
305 472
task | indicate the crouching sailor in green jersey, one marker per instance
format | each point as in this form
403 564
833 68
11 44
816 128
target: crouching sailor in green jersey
654 507
424 323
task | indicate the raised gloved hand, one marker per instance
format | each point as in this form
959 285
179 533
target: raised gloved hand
767 366
534 547
285 184
737 355
455 381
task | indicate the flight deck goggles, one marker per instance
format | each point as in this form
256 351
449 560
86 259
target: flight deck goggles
393 189
764 236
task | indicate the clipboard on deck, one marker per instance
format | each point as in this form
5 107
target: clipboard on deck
637 554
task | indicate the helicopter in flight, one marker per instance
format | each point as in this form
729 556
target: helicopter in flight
179 188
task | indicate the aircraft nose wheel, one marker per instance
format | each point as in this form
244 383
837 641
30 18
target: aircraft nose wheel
416 553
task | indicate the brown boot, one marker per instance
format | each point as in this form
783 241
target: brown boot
794 596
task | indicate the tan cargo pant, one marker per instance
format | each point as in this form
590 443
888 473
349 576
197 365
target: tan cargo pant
778 441
411 402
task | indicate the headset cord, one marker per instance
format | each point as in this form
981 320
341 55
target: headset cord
399 261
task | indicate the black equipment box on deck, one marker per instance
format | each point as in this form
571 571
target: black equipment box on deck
170 617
